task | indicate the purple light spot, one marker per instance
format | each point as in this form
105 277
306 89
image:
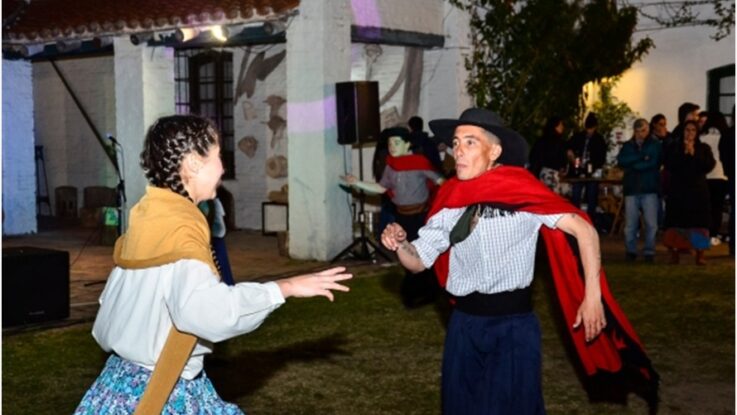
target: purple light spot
365 13
313 116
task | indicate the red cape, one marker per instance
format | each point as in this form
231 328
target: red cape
409 162
516 189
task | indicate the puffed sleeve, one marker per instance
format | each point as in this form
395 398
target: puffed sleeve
200 304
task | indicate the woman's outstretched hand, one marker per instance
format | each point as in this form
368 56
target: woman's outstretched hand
312 285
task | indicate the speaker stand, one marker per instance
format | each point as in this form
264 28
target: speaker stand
360 247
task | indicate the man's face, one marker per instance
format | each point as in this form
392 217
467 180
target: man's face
642 132
693 115
473 152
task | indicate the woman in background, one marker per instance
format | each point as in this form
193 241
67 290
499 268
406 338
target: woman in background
548 155
687 210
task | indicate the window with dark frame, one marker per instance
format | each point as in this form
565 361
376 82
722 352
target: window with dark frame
204 86
721 90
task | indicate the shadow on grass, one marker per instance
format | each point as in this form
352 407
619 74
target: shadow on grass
243 374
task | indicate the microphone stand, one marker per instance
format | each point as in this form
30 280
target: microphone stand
120 188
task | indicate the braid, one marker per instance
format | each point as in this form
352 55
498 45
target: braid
168 141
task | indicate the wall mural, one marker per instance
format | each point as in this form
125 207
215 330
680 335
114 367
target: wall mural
409 77
258 69
248 145
260 99
261 126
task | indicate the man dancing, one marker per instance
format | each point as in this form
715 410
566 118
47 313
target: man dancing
481 235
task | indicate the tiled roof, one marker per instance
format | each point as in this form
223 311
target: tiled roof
50 20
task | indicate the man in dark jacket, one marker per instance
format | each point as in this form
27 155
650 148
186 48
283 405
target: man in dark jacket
589 148
640 159
688 111
422 144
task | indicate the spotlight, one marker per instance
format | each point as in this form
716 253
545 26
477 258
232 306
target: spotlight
138 38
219 33
184 34
274 27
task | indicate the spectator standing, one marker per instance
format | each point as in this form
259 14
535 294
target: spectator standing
687 206
589 148
659 131
726 154
548 155
711 134
703 119
422 144
688 111
388 210
215 214
640 159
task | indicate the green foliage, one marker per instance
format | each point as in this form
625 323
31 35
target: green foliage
531 59
610 112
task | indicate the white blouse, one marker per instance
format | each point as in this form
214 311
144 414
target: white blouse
139 306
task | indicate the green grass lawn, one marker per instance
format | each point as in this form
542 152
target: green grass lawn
365 354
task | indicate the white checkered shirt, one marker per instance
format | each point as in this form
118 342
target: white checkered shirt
498 255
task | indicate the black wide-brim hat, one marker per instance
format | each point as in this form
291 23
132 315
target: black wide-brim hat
514 146
395 131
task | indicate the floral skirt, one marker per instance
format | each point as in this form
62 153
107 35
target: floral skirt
121 384
685 239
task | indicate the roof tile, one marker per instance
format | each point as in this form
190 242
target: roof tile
50 20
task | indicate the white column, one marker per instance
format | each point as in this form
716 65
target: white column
318 56
19 167
144 91
445 75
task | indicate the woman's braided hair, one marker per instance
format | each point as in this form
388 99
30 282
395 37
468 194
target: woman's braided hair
168 141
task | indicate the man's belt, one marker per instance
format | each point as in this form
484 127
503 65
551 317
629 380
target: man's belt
498 304
412 209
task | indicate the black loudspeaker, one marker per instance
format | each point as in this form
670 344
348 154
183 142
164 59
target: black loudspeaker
358 111
35 285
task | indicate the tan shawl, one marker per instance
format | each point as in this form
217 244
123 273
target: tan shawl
164 228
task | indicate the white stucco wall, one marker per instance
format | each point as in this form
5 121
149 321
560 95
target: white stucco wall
444 93
423 16
318 56
72 154
674 71
144 91
19 178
